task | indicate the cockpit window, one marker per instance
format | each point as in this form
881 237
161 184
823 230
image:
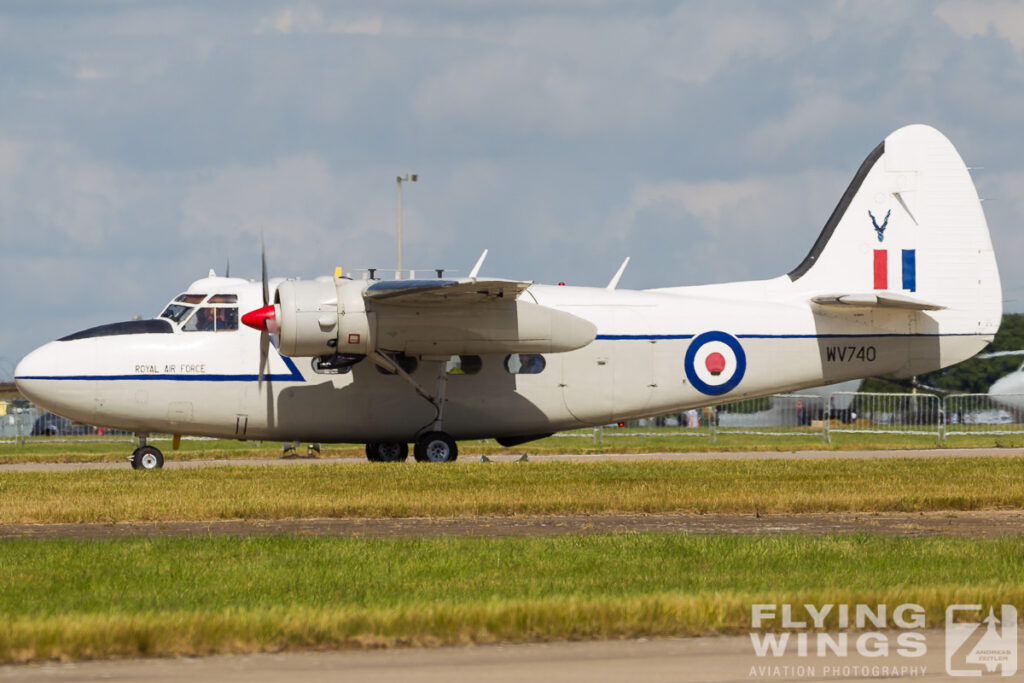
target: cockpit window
191 298
176 312
224 299
213 319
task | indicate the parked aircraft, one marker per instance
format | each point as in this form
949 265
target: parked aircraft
901 280
1008 390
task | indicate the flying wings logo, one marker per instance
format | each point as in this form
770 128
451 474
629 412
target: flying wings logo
907 261
715 363
974 648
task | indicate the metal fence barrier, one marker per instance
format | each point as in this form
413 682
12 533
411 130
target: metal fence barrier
981 414
868 413
20 421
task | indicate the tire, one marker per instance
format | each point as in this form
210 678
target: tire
436 447
147 458
387 452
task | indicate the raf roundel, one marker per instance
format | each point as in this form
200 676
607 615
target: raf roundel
715 363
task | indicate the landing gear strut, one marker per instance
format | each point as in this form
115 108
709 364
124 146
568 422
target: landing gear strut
435 445
146 457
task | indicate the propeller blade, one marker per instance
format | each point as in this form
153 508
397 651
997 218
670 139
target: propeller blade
263 260
264 356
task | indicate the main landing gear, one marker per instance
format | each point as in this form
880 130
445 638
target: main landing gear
432 446
387 452
435 447
146 457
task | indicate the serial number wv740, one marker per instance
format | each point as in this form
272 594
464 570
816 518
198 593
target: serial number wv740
849 354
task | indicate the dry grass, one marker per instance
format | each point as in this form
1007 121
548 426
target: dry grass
405 490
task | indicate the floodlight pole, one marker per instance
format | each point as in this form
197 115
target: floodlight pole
409 178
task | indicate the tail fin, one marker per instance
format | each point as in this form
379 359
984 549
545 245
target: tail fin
909 233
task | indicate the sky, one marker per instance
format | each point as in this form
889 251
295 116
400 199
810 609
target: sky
142 144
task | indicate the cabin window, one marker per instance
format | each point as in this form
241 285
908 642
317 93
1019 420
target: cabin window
223 299
191 298
464 365
210 319
525 363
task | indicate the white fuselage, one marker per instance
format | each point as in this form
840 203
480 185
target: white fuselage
652 355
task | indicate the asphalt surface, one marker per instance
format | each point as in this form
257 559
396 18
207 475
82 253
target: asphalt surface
719 658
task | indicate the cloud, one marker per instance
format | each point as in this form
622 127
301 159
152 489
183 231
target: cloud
744 228
61 193
306 18
88 73
978 19
298 19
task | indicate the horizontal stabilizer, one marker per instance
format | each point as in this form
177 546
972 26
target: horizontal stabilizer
444 292
1000 354
877 299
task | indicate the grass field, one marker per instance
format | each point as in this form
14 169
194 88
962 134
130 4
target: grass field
402 490
44 450
75 599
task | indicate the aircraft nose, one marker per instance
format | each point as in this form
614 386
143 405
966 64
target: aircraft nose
32 372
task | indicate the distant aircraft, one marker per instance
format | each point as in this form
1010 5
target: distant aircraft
1008 390
386 363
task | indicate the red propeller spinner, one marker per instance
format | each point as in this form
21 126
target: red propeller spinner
262 319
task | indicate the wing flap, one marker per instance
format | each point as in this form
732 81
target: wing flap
444 292
877 300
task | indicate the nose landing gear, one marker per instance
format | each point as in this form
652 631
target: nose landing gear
146 457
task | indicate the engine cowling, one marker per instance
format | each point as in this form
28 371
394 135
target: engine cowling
321 317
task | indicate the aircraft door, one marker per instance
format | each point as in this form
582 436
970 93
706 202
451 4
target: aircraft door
609 377
634 366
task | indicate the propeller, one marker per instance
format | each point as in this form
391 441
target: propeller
263 319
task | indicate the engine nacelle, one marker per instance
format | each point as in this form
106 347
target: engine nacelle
322 317
325 317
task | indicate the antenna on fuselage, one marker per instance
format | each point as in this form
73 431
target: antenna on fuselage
618 275
479 262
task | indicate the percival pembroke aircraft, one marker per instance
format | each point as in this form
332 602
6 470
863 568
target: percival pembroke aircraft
901 280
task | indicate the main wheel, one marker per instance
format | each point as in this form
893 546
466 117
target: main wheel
387 452
436 447
147 458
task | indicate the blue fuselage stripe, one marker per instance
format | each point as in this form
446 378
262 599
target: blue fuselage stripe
296 376
646 337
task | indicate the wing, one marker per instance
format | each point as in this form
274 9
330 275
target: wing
444 292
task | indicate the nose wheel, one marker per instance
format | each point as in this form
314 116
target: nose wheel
435 447
147 458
